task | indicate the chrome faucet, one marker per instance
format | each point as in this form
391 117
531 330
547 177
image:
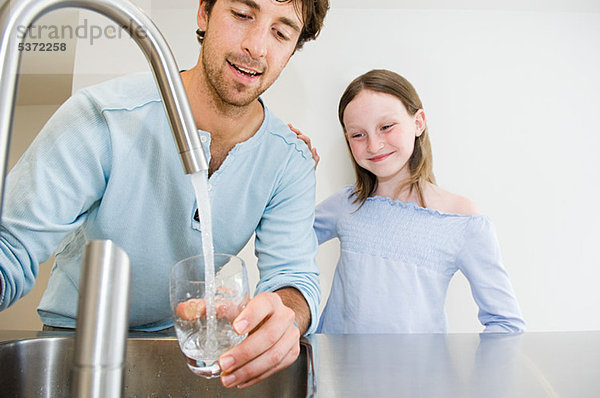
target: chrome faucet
102 331
15 15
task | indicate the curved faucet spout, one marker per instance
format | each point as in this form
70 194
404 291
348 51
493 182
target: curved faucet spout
15 15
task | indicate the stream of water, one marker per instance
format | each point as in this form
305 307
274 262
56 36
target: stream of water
200 183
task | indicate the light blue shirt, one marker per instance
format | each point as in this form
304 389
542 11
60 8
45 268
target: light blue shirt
396 263
106 167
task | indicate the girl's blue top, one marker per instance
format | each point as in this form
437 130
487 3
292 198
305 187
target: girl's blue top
397 260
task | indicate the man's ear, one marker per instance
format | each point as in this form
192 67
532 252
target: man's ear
420 122
202 17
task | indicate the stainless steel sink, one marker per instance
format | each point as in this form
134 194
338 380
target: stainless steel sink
41 367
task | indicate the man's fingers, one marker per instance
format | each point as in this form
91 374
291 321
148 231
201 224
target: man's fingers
268 319
191 309
288 360
227 309
279 355
257 309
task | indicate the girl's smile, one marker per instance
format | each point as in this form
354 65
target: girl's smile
379 158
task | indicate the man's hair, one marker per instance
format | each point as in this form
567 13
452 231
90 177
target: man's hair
420 163
312 13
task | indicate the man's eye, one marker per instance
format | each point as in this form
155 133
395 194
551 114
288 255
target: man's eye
280 35
240 15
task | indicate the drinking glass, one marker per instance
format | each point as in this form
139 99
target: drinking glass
202 341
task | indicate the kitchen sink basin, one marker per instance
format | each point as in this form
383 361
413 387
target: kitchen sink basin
154 367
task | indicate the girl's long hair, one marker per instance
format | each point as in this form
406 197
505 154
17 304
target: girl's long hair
420 163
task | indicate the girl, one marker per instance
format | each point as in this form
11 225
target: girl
402 237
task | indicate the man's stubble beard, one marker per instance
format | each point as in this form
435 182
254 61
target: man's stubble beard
222 89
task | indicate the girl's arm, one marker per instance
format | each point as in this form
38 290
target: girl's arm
480 261
329 212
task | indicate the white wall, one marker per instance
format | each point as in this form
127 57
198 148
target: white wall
511 95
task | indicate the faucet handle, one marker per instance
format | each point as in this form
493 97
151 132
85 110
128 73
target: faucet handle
102 321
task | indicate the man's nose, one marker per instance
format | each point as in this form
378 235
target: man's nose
255 41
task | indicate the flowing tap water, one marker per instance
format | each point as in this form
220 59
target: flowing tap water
200 183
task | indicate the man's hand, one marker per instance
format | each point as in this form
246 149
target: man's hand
194 309
304 138
273 342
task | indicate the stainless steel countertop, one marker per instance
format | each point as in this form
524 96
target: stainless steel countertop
552 364
556 364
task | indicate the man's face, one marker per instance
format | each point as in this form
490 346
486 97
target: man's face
246 46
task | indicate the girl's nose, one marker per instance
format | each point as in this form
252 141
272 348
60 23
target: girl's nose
374 143
255 41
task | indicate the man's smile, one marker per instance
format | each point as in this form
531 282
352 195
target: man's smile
244 71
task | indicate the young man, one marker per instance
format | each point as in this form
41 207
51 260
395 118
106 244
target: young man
105 167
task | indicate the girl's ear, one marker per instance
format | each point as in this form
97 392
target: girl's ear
419 122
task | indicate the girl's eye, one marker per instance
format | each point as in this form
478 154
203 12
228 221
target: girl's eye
355 136
387 127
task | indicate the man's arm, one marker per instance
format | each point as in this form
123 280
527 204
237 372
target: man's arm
49 191
294 300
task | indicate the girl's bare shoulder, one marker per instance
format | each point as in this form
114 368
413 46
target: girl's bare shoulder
447 202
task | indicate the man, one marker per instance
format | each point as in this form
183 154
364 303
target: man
105 167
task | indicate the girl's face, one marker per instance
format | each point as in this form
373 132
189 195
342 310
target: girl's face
381 134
